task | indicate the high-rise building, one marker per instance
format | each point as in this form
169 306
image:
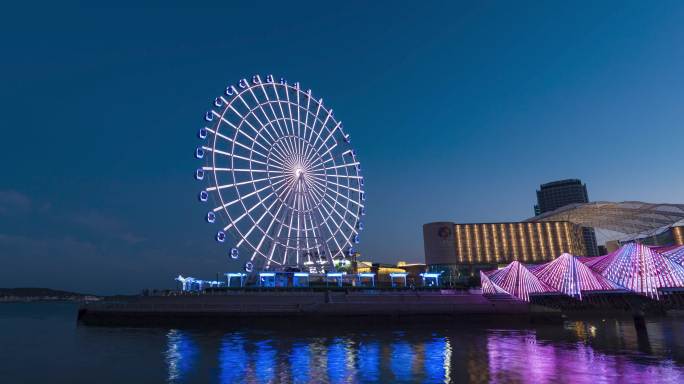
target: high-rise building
556 194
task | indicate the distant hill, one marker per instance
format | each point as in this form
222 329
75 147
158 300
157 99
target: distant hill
39 293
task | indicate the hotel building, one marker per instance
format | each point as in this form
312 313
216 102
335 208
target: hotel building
461 250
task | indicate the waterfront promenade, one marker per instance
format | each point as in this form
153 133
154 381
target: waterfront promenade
324 306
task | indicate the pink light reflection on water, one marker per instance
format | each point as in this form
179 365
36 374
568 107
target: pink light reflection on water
521 357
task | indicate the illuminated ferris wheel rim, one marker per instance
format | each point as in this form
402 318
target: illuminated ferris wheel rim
299 164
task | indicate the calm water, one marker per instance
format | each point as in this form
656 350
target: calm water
41 343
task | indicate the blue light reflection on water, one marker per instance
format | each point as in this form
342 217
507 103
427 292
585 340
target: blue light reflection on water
265 361
337 367
368 360
300 361
435 351
180 354
233 359
401 360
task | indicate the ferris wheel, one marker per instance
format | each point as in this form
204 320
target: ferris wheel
282 183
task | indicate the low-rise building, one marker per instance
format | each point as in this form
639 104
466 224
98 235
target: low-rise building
460 251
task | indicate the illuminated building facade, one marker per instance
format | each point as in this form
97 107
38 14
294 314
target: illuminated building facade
678 234
461 250
383 271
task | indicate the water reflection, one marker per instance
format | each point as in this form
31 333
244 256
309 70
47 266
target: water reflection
401 360
368 361
580 352
233 359
180 355
521 356
300 361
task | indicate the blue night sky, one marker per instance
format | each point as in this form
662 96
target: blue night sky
458 110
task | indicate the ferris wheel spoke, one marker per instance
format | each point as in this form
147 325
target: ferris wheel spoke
268 230
344 197
282 159
280 227
224 186
349 187
244 119
310 160
299 116
313 124
237 129
269 102
289 236
317 194
355 163
220 152
264 127
306 234
289 109
323 126
318 185
251 112
310 207
222 169
273 112
351 227
279 153
277 163
256 224
306 112
338 176
330 135
261 105
328 150
226 205
219 134
325 221
311 155
247 212
280 106
288 148
299 227
310 191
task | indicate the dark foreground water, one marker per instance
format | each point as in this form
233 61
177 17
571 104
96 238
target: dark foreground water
41 343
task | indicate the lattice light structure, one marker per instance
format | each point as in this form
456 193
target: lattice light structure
489 287
516 280
568 275
600 263
634 267
642 270
675 254
285 181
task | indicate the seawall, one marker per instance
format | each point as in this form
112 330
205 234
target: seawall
269 307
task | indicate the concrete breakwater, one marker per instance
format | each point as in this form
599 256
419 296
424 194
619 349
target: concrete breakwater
245 307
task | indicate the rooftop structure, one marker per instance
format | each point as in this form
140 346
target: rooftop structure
628 217
633 268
